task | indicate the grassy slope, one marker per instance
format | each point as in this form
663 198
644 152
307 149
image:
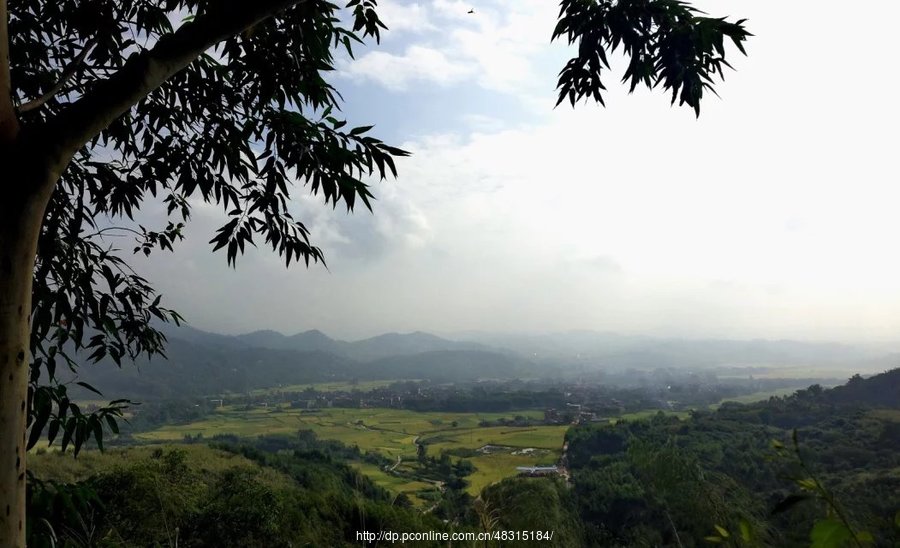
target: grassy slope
63 467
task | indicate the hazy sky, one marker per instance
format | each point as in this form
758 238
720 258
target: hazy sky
776 214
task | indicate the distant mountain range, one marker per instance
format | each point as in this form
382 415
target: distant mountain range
201 363
207 363
601 349
382 346
616 351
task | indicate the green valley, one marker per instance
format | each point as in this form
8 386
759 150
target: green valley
393 434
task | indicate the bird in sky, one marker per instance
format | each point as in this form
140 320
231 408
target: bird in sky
471 10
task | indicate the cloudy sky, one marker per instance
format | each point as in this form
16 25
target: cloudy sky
776 214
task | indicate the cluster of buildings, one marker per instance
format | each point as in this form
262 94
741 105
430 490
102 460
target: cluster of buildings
537 471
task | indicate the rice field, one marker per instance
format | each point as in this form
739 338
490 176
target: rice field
393 433
649 414
338 386
792 372
395 484
762 396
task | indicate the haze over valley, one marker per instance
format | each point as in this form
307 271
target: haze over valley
204 363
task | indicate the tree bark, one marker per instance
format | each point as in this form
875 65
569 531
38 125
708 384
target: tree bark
9 122
21 214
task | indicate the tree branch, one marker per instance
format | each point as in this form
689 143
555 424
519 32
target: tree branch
145 71
67 74
9 122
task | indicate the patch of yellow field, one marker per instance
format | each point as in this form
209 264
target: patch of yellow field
394 484
392 433
648 414
341 386
496 466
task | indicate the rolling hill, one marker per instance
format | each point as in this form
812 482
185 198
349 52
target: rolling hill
201 363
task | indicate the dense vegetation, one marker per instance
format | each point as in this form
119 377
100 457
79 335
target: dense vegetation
274 492
529 504
820 468
671 482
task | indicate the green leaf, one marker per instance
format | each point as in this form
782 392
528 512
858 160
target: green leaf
829 533
113 425
52 431
98 433
80 436
88 387
713 539
360 130
68 431
746 532
42 410
722 531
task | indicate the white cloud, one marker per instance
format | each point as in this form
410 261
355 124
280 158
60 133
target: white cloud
454 9
507 44
497 46
403 18
399 225
398 72
774 215
639 217
482 123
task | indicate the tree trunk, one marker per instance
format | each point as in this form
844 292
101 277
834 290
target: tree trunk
22 207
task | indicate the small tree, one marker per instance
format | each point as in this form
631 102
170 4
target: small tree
421 452
106 104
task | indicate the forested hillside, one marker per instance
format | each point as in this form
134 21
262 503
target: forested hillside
287 493
671 482
880 390
203 363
